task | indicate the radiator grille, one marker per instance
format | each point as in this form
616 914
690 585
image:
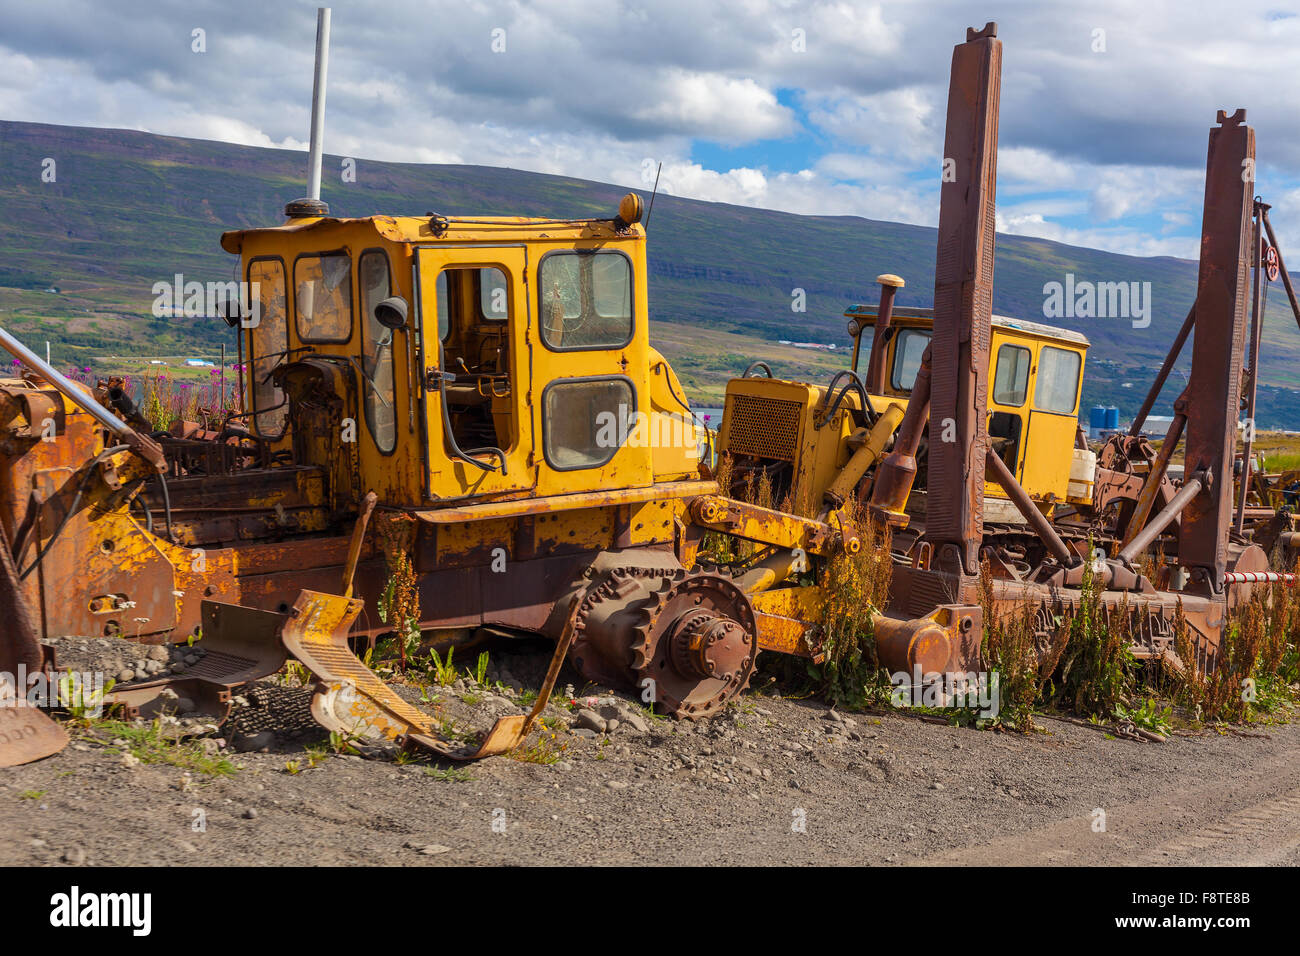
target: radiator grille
764 427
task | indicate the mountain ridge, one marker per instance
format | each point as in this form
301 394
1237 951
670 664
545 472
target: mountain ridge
129 208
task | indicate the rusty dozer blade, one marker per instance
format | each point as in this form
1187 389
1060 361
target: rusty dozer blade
351 699
241 645
26 732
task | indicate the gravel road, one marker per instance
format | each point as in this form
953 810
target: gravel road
774 780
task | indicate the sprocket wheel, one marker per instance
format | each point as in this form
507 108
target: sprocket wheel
698 644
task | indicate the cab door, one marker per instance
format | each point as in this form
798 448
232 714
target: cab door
1053 422
474 341
591 372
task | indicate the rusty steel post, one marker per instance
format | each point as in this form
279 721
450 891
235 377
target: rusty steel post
1029 511
889 286
1252 377
1177 504
1175 351
1215 392
1155 477
963 306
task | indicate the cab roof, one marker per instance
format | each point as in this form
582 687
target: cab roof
432 229
867 315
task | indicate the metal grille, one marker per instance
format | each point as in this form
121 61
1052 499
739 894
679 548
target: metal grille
764 427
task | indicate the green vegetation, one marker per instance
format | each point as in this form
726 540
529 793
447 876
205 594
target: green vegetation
149 743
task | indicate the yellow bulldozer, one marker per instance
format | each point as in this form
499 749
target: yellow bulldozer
468 411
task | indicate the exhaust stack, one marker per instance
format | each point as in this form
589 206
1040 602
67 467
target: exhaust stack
311 204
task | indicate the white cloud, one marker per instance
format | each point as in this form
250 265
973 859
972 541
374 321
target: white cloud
717 108
1113 143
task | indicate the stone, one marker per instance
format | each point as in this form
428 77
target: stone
612 725
584 732
591 720
125 675
636 721
177 668
250 813
74 855
936 786
255 743
158 653
190 659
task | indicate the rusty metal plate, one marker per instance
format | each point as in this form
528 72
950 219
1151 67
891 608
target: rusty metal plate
27 734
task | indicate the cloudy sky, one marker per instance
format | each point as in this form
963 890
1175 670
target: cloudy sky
810 107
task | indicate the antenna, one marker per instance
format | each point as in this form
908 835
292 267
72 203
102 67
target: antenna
311 204
653 193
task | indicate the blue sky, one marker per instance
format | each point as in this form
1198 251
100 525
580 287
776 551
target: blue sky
810 107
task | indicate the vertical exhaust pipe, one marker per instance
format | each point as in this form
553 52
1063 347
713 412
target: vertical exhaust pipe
311 204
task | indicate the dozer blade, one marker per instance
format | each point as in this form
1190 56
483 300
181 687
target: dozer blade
351 699
240 645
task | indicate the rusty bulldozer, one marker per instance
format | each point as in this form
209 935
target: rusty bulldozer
475 404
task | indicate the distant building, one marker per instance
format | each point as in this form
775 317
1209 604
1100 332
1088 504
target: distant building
199 363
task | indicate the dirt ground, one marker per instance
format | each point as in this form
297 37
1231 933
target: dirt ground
773 781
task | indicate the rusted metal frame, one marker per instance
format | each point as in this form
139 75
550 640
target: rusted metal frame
358 538
963 305
1159 468
1175 351
871 446
1025 505
145 447
771 527
1142 540
547 504
20 643
1281 266
1214 399
1252 377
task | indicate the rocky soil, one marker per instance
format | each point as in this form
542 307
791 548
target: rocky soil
773 780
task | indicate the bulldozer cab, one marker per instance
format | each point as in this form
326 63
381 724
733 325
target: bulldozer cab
1035 380
486 358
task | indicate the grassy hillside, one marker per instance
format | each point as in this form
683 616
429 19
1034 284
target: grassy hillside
129 209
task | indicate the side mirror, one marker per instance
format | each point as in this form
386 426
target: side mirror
391 313
230 311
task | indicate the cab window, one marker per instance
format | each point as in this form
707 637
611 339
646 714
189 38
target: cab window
377 355
475 304
1058 380
586 421
908 352
323 297
586 300
1011 376
268 341
493 295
